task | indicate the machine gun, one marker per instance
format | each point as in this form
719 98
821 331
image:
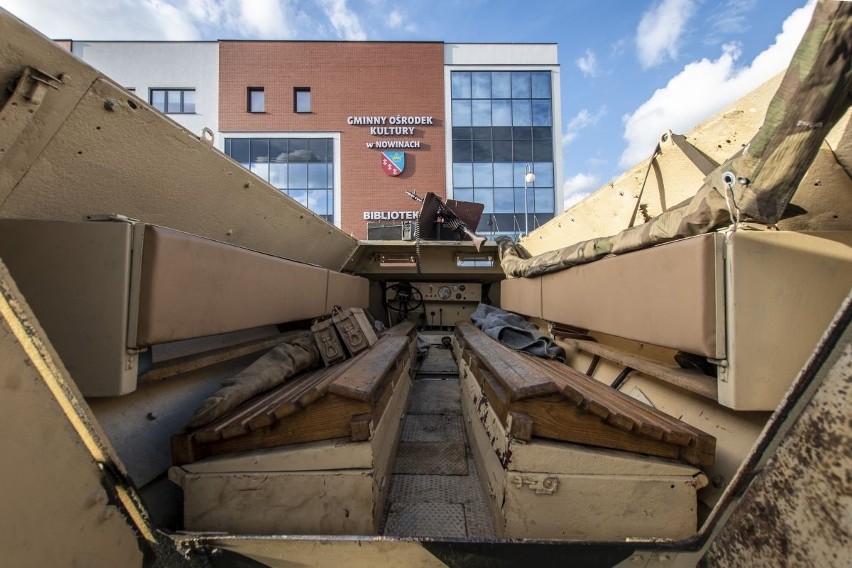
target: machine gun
434 207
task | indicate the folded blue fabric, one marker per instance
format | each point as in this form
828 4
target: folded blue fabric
515 332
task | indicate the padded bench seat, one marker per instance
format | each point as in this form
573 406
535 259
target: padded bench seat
545 437
312 456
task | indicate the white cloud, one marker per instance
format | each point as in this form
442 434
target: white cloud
704 87
731 19
346 23
264 18
394 19
660 30
579 186
119 19
588 64
581 120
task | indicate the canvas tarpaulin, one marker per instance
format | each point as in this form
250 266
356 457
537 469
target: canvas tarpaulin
757 183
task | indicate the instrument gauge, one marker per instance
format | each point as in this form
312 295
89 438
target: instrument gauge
444 292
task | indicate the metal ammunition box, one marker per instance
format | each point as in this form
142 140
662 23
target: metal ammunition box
354 328
330 348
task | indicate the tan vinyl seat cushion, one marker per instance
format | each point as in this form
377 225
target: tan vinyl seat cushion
193 287
667 295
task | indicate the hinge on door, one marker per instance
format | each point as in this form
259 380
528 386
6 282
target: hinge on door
28 92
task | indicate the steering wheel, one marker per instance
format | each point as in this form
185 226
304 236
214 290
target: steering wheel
406 298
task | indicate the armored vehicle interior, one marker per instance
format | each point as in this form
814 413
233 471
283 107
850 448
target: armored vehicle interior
701 395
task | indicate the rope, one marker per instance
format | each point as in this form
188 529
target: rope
657 152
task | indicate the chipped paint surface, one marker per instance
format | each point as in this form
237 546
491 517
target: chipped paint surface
798 510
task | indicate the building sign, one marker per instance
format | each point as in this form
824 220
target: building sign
396 126
390 215
393 163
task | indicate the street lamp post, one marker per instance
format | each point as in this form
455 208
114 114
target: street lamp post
529 177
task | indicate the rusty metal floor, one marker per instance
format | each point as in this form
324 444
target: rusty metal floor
435 489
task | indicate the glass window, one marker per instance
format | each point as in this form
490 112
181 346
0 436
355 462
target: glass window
261 170
521 133
188 102
278 149
502 150
301 99
256 99
502 132
544 199
519 199
486 197
173 101
463 193
522 151
501 85
501 113
302 168
541 113
462 151
461 113
318 148
521 85
502 175
318 202
543 174
158 100
259 150
462 133
317 176
481 133
298 176
542 133
521 113
300 195
481 113
240 150
481 85
461 85
298 150
543 150
502 121
520 172
482 151
483 175
504 201
541 85
462 174
278 175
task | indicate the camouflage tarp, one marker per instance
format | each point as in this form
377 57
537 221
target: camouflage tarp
757 183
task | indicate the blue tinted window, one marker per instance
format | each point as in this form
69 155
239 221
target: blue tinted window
521 113
483 175
541 113
541 85
501 85
461 113
481 85
462 175
502 175
461 85
481 113
521 88
501 112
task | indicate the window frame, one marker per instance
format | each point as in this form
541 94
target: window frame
249 92
166 91
296 92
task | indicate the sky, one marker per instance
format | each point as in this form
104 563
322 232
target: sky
630 69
